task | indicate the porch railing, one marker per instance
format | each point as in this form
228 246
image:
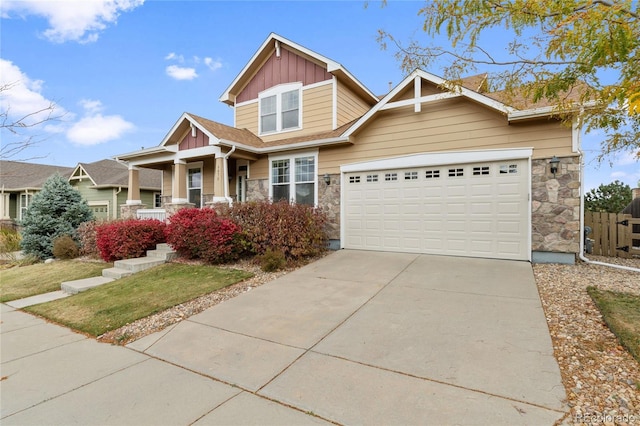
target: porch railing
158 214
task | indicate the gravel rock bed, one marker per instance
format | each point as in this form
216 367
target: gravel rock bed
601 379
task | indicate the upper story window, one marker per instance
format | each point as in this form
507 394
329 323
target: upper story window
280 108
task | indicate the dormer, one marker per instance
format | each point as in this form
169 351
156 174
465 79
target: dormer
287 90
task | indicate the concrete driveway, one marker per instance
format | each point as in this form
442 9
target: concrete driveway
354 338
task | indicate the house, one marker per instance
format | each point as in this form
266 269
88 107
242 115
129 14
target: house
431 167
19 182
103 184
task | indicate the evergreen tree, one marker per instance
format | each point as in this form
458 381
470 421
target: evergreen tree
55 211
611 198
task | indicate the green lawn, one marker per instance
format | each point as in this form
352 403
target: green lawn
25 281
113 305
621 312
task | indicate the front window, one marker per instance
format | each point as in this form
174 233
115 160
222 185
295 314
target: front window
297 184
194 186
280 108
157 200
25 202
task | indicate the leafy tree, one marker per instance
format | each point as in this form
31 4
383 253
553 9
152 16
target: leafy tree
562 52
55 211
611 198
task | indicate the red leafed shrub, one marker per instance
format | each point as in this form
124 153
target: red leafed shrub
129 238
296 230
202 234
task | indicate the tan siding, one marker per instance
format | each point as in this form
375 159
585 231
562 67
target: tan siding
350 106
247 117
447 126
167 188
316 114
259 169
208 175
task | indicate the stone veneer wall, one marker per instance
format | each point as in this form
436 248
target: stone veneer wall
329 202
128 211
172 208
257 189
555 206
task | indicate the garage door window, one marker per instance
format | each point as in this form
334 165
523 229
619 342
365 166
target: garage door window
295 184
432 174
481 171
508 169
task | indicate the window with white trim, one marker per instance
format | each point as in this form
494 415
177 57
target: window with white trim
194 185
25 202
279 108
157 200
294 179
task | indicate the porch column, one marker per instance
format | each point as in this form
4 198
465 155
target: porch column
133 192
179 189
218 180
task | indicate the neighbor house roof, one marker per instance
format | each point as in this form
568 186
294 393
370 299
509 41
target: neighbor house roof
20 176
110 173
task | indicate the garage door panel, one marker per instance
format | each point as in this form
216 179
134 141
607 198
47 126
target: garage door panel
466 210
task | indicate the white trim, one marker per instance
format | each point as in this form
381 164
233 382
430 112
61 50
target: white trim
179 200
575 135
278 91
463 91
82 176
241 104
195 165
417 93
5 199
180 156
134 202
334 103
292 172
315 85
289 147
438 158
417 102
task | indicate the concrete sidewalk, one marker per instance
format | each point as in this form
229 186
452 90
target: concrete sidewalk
357 337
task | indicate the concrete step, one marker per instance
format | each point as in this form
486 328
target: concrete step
137 265
165 253
35 300
116 273
77 286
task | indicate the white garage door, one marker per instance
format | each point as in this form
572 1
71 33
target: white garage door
477 210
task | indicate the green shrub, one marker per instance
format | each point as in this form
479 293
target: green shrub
9 240
55 211
65 247
295 230
272 261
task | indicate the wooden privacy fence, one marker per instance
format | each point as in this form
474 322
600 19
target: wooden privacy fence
614 235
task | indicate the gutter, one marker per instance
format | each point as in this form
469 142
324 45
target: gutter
582 236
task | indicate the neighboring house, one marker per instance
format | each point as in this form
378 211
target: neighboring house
19 182
104 185
422 169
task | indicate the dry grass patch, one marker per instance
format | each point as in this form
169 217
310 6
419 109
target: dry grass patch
24 281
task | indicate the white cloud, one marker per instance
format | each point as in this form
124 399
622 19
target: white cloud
95 128
175 57
22 96
71 20
181 73
212 64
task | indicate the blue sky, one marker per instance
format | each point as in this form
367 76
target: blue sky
122 72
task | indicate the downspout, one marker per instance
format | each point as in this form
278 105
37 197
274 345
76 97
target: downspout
116 207
582 236
226 174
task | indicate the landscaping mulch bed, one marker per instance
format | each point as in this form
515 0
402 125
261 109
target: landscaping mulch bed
601 378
